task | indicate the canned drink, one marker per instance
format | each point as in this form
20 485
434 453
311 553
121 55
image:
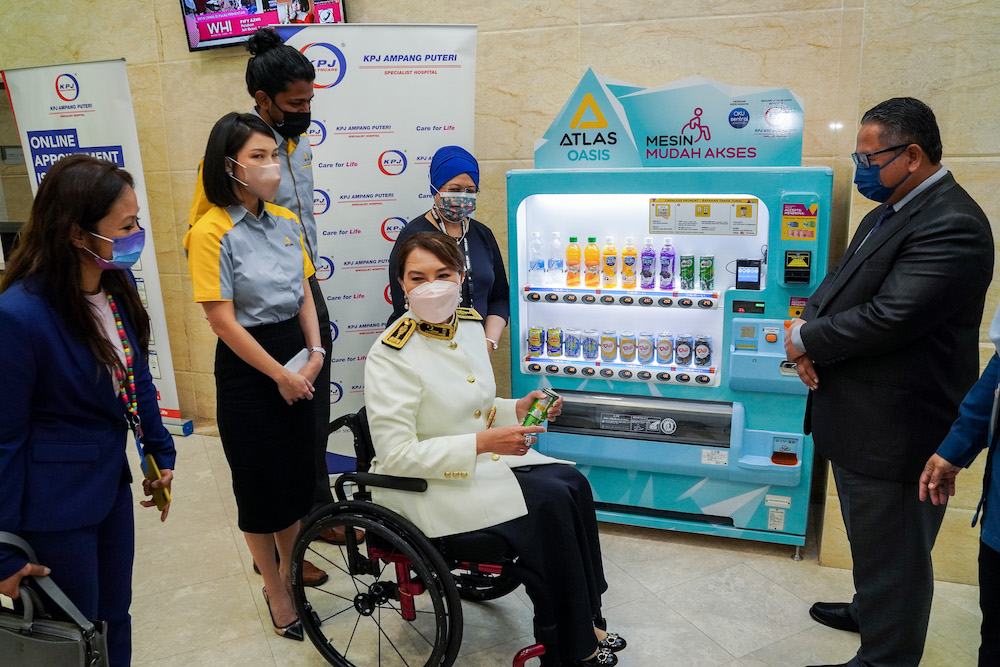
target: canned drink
703 350
664 348
536 340
645 347
539 410
554 341
591 344
683 350
571 343
706 271
686 272
609 345
626 346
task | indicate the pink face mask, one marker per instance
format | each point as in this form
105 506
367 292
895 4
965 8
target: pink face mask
262 181
435 302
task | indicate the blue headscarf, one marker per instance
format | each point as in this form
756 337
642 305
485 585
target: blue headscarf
449 162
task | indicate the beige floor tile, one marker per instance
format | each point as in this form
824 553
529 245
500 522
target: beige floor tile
955 624
677 563
817 645
167 565
739 609
193 617
940 652
248 651
493 623
806 579
962 595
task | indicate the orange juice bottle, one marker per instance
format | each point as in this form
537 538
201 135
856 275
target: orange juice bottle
592 263
609 262
630 257
573 263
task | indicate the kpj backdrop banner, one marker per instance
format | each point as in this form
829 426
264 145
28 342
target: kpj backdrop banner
87 108
387 97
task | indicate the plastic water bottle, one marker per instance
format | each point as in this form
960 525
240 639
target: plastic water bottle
554 269
667 264
647 275
536 261
573 263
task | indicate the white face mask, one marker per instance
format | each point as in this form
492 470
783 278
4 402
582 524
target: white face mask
262 181
435 302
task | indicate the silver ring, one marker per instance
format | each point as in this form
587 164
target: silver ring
527 440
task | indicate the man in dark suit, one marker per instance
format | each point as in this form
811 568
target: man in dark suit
888 346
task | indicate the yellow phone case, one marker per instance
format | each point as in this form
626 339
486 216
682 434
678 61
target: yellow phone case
161 496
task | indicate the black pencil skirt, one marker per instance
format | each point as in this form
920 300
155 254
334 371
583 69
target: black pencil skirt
268 443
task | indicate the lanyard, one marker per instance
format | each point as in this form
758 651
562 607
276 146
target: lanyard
126 383
463 244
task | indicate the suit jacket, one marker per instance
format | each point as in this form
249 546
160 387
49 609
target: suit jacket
426 400
62 423
893 331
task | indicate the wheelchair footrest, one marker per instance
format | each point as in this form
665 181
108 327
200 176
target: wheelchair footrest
526 654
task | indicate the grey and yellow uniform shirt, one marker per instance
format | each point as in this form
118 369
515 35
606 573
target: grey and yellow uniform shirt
258 263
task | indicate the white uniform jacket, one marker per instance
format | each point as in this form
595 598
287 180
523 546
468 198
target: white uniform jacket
428 390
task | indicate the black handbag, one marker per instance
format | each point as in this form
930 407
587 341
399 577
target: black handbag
37 638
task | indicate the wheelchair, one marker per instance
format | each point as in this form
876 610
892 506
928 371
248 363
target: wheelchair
394 597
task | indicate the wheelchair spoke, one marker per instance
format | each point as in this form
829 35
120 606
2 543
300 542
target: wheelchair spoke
382 633
330 562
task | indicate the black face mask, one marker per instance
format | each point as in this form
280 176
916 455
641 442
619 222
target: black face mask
295 123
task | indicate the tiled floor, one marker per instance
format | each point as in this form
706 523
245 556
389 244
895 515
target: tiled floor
679 599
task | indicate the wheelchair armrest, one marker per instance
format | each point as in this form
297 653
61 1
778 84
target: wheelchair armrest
414 484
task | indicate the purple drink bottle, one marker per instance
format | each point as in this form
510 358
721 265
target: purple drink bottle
667 261
647 276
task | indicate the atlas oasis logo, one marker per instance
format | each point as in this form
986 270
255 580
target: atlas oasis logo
329 62
316 133
336 392
321 202
392 163
324 268
391 228
67 87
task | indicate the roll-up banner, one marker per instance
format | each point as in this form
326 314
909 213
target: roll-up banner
87 108
387 97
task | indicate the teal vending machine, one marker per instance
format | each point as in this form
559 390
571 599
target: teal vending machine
654 300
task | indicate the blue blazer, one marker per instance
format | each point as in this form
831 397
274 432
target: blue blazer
62 424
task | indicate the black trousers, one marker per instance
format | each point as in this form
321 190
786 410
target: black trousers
891 534
989 602
558 542
321 399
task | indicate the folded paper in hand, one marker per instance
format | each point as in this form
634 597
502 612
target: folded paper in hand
296 363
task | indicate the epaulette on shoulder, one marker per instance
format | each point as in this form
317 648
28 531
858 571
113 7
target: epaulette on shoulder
400 333
469 314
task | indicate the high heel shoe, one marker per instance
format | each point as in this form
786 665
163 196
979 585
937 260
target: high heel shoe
291 631
613 642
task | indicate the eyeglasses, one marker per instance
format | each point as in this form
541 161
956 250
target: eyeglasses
454 191
865 159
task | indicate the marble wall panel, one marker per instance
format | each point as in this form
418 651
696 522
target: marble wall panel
489 16
173 305
78 30
943 54
160 198
614 11
522 81
798 51
148 107
17 196
196 94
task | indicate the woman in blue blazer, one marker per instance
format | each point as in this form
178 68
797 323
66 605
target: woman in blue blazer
72 334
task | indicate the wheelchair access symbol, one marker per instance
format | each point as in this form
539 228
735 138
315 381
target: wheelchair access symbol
695 125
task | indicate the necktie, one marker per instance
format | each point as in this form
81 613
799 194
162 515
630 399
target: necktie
886 214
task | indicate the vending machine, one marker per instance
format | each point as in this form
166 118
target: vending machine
655 302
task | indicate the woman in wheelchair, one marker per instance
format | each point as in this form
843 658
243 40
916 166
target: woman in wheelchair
433 412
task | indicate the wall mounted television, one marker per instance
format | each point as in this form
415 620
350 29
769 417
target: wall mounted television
215 23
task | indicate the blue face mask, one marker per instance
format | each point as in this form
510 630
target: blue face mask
869 181
125 250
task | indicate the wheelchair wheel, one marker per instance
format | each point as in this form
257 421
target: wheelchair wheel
480 587
364 615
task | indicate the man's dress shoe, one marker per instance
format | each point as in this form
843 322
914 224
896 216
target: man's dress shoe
835 615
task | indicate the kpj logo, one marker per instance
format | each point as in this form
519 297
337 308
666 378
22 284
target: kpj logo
67 87
391 228
316 133
392 163
329 62
321 202
336 392
324 268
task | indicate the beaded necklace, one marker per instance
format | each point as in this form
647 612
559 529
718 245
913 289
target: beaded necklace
126 379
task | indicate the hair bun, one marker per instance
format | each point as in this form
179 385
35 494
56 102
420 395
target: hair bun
263 40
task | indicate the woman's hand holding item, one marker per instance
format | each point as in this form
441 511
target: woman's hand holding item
10 585
508 440
524 404
166 477
293 386
312 367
